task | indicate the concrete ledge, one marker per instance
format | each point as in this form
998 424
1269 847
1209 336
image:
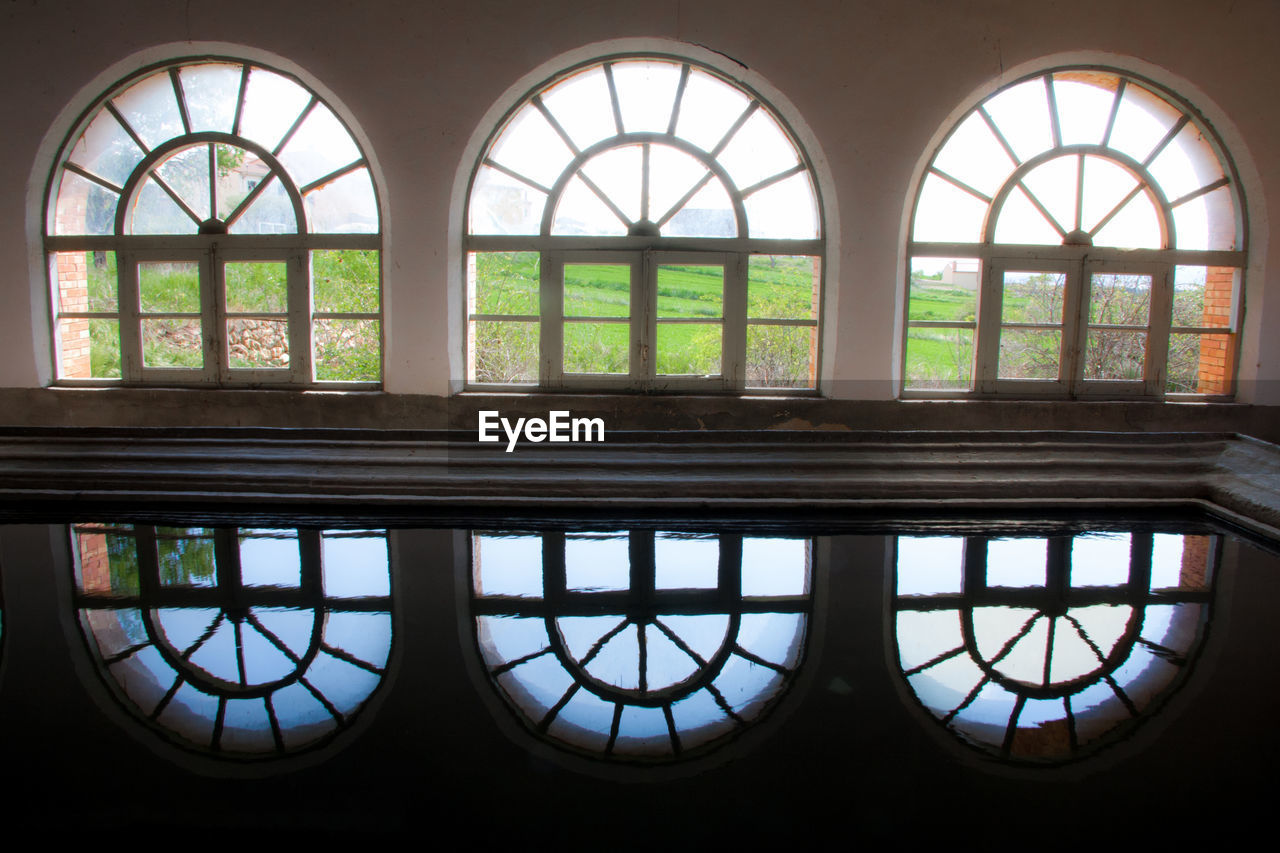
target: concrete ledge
675 472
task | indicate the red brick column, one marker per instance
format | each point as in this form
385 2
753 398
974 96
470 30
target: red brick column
1217 352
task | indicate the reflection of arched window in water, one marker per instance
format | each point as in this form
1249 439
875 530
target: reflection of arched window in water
1044 649
638 645
240 642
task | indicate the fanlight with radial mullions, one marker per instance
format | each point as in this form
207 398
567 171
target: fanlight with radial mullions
1045 649
639 646
242 643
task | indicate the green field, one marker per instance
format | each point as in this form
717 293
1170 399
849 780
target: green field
345 349
779 287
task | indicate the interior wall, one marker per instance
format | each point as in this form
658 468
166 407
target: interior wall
873 80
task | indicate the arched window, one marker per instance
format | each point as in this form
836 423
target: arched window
643 222
212 221
236 642
640 646
1044 649
1077 233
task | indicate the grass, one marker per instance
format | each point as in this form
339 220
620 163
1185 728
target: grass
779 287
343 281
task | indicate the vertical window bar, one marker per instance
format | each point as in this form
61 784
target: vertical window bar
1054 126
675 108
1079 191
244 86
182 100
613 97
1115 110
644 182
213 181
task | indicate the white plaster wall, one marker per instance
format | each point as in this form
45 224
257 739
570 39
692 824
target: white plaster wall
873 80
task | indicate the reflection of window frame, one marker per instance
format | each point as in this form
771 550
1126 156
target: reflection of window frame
210 248
640 597
733 252
234 601
1075 255
1057 594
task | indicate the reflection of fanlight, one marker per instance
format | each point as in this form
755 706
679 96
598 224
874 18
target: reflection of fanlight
640 646
1044 649
246 643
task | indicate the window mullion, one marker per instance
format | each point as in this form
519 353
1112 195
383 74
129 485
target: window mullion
987 345
213 303
1075 327
130 321
733 358
1161 320
551 329
644 310
299 304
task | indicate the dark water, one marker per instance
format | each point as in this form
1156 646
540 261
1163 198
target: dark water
636 683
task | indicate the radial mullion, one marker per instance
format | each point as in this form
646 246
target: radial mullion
167 698
343 655
1168 137
643 644
613 728
1142 185
1048 651
1026 190
235 623
684 199
734 128
549 717
128 128
203 638
968 699
507 666
213 181
511 173
679 643
1055 123
273 639
756 659
1013 641
675 107
555 125
1079 191
293 128
177 199
1115 111
182 100
332 176
1012 729
644 181
244 86
90 176
608 202
958 184
724 704
782 176
599 644
249 199
125 653
323 700
276 735
613 97
1204 190
945 656
672 731
1073 738
1122 696
1004 143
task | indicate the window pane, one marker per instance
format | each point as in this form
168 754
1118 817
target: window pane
272 103
781 356
530 147
172 342
689 348
580 211
597 348
1029 353
783 287
757 151
84 207
502 205
346 205
319 146
646 94
708 214
504 351
256 287
106 150
346 281
187 174
258 343
1201 364
1120 300
210 92
169 287
89 349
151 109
974 155
1033 297
596 290
581 104
238 172
786 210
1188 296
939 358
672 174
944 289
86 281
1112 354
693 290
270 213
155 212
617 173
946 213
348 350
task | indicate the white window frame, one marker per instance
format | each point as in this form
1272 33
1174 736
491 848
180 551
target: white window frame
733 252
